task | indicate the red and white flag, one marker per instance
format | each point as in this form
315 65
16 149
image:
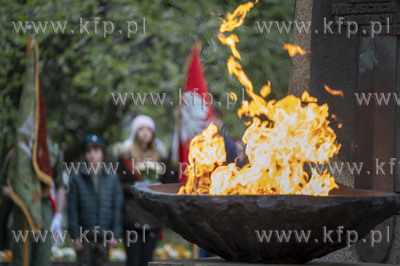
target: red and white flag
196 111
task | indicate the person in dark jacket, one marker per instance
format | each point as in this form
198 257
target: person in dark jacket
231 157
230 146
94 207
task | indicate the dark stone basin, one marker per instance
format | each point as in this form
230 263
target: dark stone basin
226 225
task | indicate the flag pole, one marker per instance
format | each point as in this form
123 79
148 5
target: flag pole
25 259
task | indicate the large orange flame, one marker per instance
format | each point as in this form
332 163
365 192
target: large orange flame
206 151
295 132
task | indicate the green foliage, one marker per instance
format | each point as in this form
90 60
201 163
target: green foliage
79 71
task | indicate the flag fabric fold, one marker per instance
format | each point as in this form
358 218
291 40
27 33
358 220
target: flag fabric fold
30 174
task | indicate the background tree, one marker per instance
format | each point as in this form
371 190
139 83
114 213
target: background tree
79 71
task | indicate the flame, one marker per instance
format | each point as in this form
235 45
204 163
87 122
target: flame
233 96
232 21
293 49
231 40
295 132
334 92
206 151
333 116
266 90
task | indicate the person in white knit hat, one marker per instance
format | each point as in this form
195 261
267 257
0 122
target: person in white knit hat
124 147
142 121
141 161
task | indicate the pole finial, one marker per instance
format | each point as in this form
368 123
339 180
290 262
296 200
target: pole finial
30 14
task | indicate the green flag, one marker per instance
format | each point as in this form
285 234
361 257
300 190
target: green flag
29 175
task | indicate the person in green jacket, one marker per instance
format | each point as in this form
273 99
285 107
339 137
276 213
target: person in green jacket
94 205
